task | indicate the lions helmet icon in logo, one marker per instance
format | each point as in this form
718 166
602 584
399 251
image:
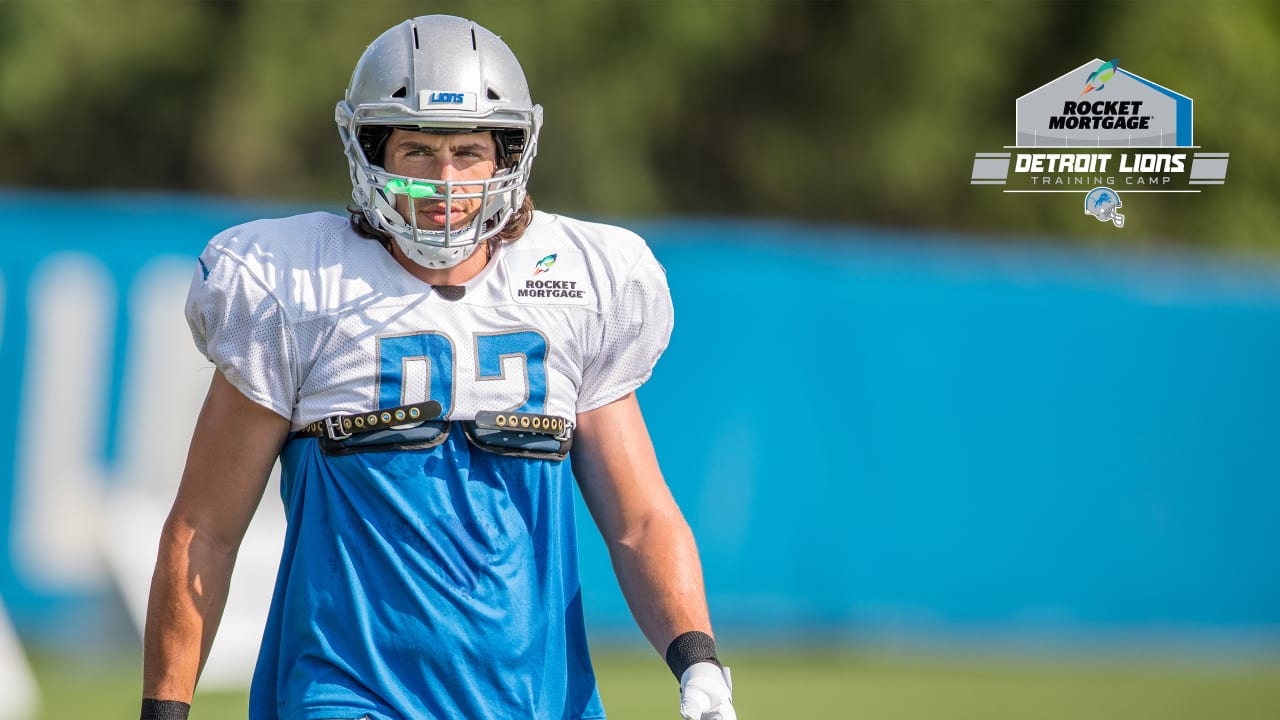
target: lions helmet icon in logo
1103 203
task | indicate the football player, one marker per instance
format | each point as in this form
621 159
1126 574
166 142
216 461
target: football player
434 373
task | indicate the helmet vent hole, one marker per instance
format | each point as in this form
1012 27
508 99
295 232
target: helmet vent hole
473 38
415 37
493 95
400 93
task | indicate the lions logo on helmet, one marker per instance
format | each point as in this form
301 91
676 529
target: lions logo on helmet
442 74
1103 203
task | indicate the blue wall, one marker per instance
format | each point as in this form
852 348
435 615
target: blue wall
888 434
876 433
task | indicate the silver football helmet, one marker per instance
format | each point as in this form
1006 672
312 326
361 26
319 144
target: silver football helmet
442 74
1104 204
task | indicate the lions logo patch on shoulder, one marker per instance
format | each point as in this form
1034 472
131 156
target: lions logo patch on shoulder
541 277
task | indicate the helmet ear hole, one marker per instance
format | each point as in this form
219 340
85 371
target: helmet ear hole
492 94
511 141
373 140
402 92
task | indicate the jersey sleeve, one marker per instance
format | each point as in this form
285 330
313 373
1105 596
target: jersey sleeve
242 328
636 328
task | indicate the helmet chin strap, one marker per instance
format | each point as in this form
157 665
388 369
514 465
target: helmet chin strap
435 257
446 256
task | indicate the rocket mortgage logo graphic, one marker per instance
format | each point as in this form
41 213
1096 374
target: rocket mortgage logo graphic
544 264
1101 132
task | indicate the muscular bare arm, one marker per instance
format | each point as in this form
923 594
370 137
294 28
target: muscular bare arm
650 544
233 448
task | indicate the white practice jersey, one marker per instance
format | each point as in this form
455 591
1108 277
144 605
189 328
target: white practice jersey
309 319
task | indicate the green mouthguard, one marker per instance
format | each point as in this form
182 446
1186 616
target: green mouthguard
414 189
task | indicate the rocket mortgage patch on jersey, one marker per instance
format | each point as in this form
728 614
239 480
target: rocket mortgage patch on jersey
548 277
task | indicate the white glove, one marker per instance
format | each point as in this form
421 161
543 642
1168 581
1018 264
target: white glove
706 693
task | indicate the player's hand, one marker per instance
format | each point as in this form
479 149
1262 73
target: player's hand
706 693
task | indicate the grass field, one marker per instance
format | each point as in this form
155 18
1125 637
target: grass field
804 685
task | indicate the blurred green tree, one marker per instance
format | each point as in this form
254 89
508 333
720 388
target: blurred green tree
850 112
